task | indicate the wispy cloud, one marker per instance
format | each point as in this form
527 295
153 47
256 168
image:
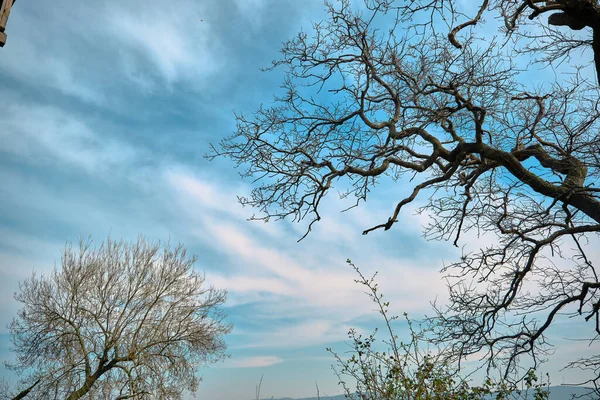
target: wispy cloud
306 284
180 41
93 52
46 135
303 334
252 362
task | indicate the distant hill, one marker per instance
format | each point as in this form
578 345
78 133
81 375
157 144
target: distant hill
556 393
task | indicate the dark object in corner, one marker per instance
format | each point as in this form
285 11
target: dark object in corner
5 6
563 19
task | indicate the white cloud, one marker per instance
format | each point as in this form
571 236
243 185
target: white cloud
89 50
287 278
177 40
297 335
246 284
307 282
252 9
23 244
319 279
44 69
263 265
252 362
41 48
44 134
206 200
202 192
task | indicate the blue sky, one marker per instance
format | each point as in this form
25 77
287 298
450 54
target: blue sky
107 110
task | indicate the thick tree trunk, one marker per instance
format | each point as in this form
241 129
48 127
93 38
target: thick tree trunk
596 48
26 391
79 393
87 385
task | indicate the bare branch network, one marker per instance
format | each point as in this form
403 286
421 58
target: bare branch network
410 89
121 321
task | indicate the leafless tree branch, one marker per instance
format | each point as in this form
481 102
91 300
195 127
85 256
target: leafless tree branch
382 94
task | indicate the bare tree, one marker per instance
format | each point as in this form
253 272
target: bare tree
410 89
119 321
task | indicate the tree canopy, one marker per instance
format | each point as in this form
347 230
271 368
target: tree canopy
119 321
453 103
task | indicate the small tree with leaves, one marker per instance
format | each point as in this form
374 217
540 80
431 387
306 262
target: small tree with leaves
120 321
407 372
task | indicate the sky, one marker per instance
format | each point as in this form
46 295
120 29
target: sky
108 108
